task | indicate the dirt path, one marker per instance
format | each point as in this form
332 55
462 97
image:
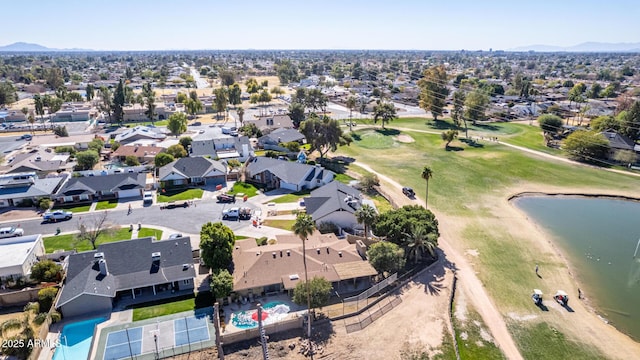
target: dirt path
467 278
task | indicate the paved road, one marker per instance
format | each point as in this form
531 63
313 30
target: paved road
10 143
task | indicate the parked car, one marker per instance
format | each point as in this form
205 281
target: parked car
12 231
245 213
26 137
58 215
173 205
408 192
175 236
226 198
232 213
147 198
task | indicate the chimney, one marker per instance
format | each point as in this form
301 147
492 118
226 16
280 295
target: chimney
102 263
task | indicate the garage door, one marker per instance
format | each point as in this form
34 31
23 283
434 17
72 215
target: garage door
129 193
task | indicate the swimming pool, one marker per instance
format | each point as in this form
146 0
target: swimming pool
273 312
75 340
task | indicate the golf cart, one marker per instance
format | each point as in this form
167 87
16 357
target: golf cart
537 296
561 297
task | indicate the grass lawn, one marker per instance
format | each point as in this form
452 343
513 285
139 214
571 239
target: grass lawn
343 178
68 241
280 224
382 204
182 195
107 204
462 183
144 232
290 198
74 209
472 345
171 306
247 189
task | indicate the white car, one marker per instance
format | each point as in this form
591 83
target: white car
147 198
57 215
12 231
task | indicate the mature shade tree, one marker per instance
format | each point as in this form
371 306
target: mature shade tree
366 215
351 104
287 72
386 257
73 96
90 92
38 102
118 102
550 123
162 159
220 102
181 98
8 94
385 112
46 297
250 130
131 160
575 94
96 145
61 131
395 223
177 123
221 283
235 94
150 100
193 106
628 157
86 160
476 105
448 136
631 121
296 113
594 91
46 271
316 100
586 145
433 90
318 290
106 103
90 228
264 97
304 227
252 86
420 242
324 134
604 123
185 142
458 108
277 91
177 151
53 78
240 112
426 175
368 182
227 78
216 246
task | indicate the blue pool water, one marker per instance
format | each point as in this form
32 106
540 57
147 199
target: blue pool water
75 340
274 311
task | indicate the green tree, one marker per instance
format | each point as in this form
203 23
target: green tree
61 131
185 141
630 121
586 145
226 78
8 94
277 91
304 227
476 105
46 297
240 112
426 175
177 123
221 283
458 108
292 146
181 98
90 92
235 94
324 134
149 97
162 159
448 136
420 242
287 72
220 102
351 104
193 106
216 246
131 160
628 157
38 102
252 86
604 123
550 123
318 289
367 216
250 130
395 223
386 257
368 182
575 94
433 90
118 102
87 159
296 113
384 112
106 103
595 91
96 145
177 151
46 271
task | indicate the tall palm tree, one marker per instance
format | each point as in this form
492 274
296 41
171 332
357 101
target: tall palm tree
420 242
240 113
351 104
366 215
303 227
427 174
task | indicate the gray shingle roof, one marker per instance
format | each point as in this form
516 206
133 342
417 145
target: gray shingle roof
288 171
281 136
330 198
618 141
41 187
129 266
104 183
192 167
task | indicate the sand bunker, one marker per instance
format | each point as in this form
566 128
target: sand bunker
404 138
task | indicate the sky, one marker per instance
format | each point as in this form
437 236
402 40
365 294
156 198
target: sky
319 24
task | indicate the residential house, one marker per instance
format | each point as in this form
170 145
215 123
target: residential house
617 143
42 162
223 147
271 122
136 112
335 203
192 171
139 133
132 271
278 136
17 188
18 255
144 154
110 186
271 269
272 173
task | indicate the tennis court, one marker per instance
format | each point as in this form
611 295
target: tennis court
155 337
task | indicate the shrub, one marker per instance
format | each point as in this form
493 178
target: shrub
272 241
45 298
40 318
131 161
261 241
65 149
45 204
33 307
26 203
46 271
55 316
61 131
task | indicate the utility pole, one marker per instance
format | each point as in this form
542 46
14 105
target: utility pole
216 324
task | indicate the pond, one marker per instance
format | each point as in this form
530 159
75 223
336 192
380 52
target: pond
599 236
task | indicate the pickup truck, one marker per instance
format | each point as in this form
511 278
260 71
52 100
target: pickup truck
231 213
226 198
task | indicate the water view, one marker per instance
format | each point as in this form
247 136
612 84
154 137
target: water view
599 236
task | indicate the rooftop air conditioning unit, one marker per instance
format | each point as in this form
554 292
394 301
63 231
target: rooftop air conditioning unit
294 277
156 256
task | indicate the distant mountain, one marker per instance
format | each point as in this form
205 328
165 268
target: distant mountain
584 47
27 47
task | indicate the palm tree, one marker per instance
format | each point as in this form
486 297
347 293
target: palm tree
420 242
303 227
427 173
366 215
351 104
240 113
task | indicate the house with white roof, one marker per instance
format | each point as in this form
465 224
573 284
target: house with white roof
19 254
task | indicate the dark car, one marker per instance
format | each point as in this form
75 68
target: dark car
408 192
226 198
